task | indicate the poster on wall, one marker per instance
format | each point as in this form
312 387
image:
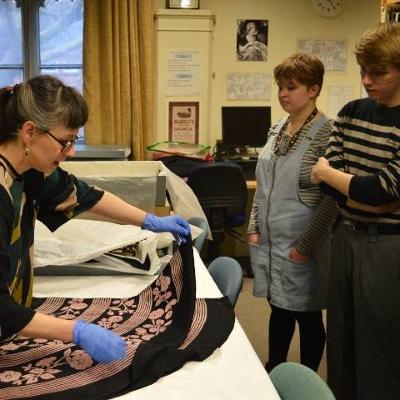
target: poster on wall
252 40
183 73
248 86
331 52
183 121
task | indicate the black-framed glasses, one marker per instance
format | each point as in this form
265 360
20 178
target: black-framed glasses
65 144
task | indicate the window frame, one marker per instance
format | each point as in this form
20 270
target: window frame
31 63
31 42
30 36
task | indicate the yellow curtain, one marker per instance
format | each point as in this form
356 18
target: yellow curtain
118 62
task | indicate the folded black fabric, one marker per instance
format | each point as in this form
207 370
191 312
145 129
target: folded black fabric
165 326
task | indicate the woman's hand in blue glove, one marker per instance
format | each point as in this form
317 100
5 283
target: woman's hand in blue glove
174 224
101 344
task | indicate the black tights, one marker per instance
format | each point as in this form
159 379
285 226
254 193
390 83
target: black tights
312 336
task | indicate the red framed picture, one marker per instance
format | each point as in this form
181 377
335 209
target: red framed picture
183 121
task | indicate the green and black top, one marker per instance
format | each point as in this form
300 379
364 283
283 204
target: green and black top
54 200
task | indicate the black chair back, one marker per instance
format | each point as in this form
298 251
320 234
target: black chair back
222 193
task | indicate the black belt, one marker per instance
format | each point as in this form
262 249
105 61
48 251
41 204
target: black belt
371 227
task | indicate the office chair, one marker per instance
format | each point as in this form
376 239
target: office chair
295 381
228 275
222 193
201 223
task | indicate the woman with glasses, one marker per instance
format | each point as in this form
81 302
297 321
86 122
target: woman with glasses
39 123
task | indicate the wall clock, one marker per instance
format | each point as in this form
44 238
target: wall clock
328 8
183 3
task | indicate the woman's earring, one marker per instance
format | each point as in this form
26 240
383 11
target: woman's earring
27 150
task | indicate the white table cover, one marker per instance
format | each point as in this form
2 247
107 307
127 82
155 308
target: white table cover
232 372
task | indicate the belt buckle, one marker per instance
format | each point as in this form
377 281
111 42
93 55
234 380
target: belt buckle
350 225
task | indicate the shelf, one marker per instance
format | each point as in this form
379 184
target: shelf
390 11
389 3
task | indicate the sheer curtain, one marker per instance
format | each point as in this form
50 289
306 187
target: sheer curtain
118 59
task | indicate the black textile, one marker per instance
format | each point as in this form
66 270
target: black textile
180 165
164 326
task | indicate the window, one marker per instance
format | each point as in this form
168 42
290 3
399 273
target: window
41 36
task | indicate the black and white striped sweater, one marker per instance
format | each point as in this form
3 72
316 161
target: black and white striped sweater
365 142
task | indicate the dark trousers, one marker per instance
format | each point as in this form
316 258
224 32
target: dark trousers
312 336
363 346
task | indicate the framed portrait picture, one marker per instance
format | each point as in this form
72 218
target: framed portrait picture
183 121
252 40
183 3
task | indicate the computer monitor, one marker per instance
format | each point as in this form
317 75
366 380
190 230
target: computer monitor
245 126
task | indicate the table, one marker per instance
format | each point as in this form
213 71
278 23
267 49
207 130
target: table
232 247
232 372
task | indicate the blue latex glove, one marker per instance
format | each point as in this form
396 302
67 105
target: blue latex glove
174 224
101 344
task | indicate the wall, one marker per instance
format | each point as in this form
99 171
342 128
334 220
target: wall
288 21
179 31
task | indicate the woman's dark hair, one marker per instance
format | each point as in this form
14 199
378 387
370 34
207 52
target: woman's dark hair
45 101
304 68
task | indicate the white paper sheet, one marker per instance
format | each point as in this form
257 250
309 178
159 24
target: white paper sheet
80 240
183 200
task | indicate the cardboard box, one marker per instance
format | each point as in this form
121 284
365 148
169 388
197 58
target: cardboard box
140 183
104 152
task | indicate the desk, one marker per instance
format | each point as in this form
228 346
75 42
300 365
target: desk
234 248
232 372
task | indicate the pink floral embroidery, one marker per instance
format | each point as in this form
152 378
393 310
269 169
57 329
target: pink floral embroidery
21 345
77 304
156 314
140 331
43 369
50 367
164 281
121 307
46 362
169 309
40 340
161 292
158 326
13 346
111 322
78 359
47 368
134 341
9 376
72 310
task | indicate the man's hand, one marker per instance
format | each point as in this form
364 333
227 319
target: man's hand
321 165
